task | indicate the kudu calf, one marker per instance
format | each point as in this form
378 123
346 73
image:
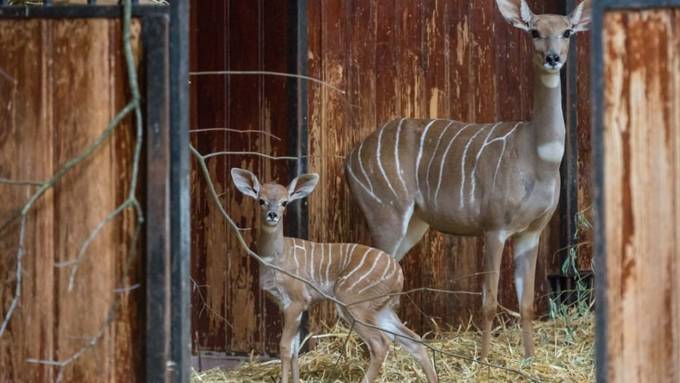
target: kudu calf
364 279
498 180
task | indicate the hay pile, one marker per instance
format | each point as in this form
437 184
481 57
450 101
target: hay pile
564 353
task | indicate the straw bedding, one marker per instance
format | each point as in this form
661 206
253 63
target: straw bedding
564 353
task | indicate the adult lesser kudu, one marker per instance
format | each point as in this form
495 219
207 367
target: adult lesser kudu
498 180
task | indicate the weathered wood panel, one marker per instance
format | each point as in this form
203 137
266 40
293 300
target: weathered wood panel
62 81
642 194
418 58
230 312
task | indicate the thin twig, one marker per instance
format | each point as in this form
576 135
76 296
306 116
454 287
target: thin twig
247 131
9 181
18 274
246 153
267 73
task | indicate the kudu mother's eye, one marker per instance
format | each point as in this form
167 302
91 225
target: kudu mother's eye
567 34
535 34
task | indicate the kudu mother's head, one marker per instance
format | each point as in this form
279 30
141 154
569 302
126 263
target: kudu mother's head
550 33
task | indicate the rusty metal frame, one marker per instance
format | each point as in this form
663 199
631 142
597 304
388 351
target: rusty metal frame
600 7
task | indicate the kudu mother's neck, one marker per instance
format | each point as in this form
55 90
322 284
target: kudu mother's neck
269 240
547 117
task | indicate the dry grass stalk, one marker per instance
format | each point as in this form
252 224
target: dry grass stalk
564 353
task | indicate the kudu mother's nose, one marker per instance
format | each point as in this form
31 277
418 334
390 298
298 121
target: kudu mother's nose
552 59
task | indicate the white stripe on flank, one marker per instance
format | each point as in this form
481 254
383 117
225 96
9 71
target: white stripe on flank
330 262
434 154
297 263
462 166
420 152
377 157
473 175
361 166
321 262
498 164
442 162
363 277
394 269
382 277
396 155
310 262
363 259
351 173
348 256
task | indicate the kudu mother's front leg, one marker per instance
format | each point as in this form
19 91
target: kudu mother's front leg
525 248
493 253
288 348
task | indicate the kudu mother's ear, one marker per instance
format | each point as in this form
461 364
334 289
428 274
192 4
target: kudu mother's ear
302 186
580 17
246 182
516 12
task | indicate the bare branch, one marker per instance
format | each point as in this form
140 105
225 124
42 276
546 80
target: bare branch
9 181
247 131
268 73
18 276
246 153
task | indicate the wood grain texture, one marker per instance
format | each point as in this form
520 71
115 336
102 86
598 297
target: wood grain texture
230 311
642 214
70 80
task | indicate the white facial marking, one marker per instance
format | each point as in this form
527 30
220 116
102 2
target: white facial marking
443 161
551 80
396 156
420 152
551 151
380 166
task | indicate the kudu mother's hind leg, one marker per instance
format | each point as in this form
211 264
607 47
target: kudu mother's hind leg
493 253
525 248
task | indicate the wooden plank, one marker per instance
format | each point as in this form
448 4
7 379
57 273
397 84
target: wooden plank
641 211
52 118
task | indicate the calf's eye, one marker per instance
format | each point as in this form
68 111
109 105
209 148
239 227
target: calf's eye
284 203
535 34
567 34
261 201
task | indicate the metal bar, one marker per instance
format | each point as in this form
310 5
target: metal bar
155 38
569 173
91 2
297 63
600 246
47 2
180 219
78 11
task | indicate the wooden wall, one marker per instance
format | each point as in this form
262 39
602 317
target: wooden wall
417 58
642 194
61 83
229 309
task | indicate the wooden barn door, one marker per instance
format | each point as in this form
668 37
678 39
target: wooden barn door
379 60
637 152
